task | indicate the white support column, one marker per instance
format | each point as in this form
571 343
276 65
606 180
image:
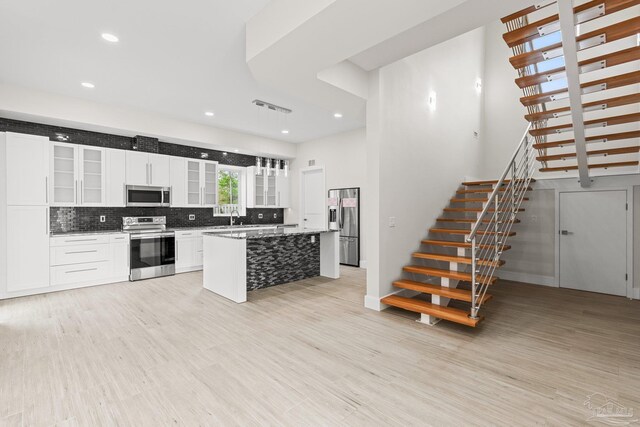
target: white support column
569 46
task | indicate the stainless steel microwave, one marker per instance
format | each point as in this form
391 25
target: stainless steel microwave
143 196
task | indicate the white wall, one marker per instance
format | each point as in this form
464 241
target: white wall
343 157
636 236
422 155
41 107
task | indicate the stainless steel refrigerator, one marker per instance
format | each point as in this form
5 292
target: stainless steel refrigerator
344 215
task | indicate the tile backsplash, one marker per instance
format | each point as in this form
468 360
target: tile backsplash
79 219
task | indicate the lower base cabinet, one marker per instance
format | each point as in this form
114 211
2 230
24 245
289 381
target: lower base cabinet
188 251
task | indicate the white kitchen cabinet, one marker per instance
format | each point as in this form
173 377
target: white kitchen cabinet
79 175
178 182
267 191
119 257
283 185
202 183
27 247
116 192
147 169
186 254
27 169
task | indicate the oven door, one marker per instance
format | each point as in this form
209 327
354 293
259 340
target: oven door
141 196
152 255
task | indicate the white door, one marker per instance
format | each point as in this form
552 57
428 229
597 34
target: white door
64 177
27 170
137 168
313 199
593 241
28 243
92 176
178 174
159 170
116 178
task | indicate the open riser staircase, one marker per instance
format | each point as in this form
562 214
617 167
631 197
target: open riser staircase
578 67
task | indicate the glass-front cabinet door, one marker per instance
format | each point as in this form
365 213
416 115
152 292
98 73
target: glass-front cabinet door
92 177
260 193
65 175
194 189
210 184
271 190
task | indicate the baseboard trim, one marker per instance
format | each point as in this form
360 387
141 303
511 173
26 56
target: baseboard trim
363 263
534 279
374 303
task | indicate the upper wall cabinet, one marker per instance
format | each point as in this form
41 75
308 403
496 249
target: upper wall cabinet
201 183
267 191
79 175
27 170
147 169
116 178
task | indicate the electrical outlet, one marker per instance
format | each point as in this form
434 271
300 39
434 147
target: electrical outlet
313 239
260 216
275 215
103 218
192 217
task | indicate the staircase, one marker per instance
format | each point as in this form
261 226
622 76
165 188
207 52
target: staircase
459 259
577 64
575 59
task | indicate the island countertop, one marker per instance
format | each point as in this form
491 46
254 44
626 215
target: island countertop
261 234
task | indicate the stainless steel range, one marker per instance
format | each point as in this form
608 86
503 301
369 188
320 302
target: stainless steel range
153 248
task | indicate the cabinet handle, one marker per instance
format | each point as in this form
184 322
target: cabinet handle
80 271
81 240
80 252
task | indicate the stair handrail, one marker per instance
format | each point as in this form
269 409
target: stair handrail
485 255
496 190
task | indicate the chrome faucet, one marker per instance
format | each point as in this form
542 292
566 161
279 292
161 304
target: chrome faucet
235 210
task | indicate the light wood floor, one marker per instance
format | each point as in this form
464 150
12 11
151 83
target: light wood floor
165 351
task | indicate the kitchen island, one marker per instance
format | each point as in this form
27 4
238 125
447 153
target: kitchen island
237 262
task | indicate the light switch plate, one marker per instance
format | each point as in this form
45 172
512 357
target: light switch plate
192 217
392 221
313 239
260 216
103 218
275 215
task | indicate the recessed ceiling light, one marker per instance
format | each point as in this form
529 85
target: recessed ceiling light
110 38
338 115
236 150
285 131
88 85
209 114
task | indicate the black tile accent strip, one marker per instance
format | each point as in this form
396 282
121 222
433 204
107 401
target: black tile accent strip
81 219
277 260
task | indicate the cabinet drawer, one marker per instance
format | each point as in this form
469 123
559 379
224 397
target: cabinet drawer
190 234
94 239
119 238
65 255
79 273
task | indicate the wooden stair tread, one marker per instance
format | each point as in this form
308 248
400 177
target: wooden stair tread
524 12
417 306
486 190
605 121
469 220
610 82
450 244
456 259
428 288
591 166
465 232
456 275
605 153
597 138
474 210
617 101
609 60
530 32
611 33
475 200
489 182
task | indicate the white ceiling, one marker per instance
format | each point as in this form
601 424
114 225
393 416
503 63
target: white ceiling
179 59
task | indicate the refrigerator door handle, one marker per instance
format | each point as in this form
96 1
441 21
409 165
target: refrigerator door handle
341 215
